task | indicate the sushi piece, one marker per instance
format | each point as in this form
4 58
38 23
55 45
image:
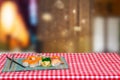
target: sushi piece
55 61
46 62
32 61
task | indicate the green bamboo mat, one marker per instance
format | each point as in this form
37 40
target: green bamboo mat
16 67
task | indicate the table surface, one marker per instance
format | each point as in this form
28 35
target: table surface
81 66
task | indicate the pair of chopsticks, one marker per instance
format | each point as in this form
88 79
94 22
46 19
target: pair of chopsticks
12 60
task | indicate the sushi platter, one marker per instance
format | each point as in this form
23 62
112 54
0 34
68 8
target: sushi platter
35 63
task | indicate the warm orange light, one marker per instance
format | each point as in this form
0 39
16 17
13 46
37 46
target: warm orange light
8 14
20 32
12 24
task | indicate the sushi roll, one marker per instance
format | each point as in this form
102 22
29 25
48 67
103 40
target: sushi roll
46 62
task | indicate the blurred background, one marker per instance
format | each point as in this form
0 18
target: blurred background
60 25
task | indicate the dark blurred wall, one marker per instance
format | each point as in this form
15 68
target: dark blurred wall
24 11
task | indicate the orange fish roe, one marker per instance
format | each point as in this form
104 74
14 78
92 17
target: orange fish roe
55 57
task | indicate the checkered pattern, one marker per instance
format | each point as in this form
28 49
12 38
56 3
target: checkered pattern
81 66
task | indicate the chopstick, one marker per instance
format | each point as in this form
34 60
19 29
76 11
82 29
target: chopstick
16 62
11 61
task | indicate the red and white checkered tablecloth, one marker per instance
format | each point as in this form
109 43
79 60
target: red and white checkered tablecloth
81 66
